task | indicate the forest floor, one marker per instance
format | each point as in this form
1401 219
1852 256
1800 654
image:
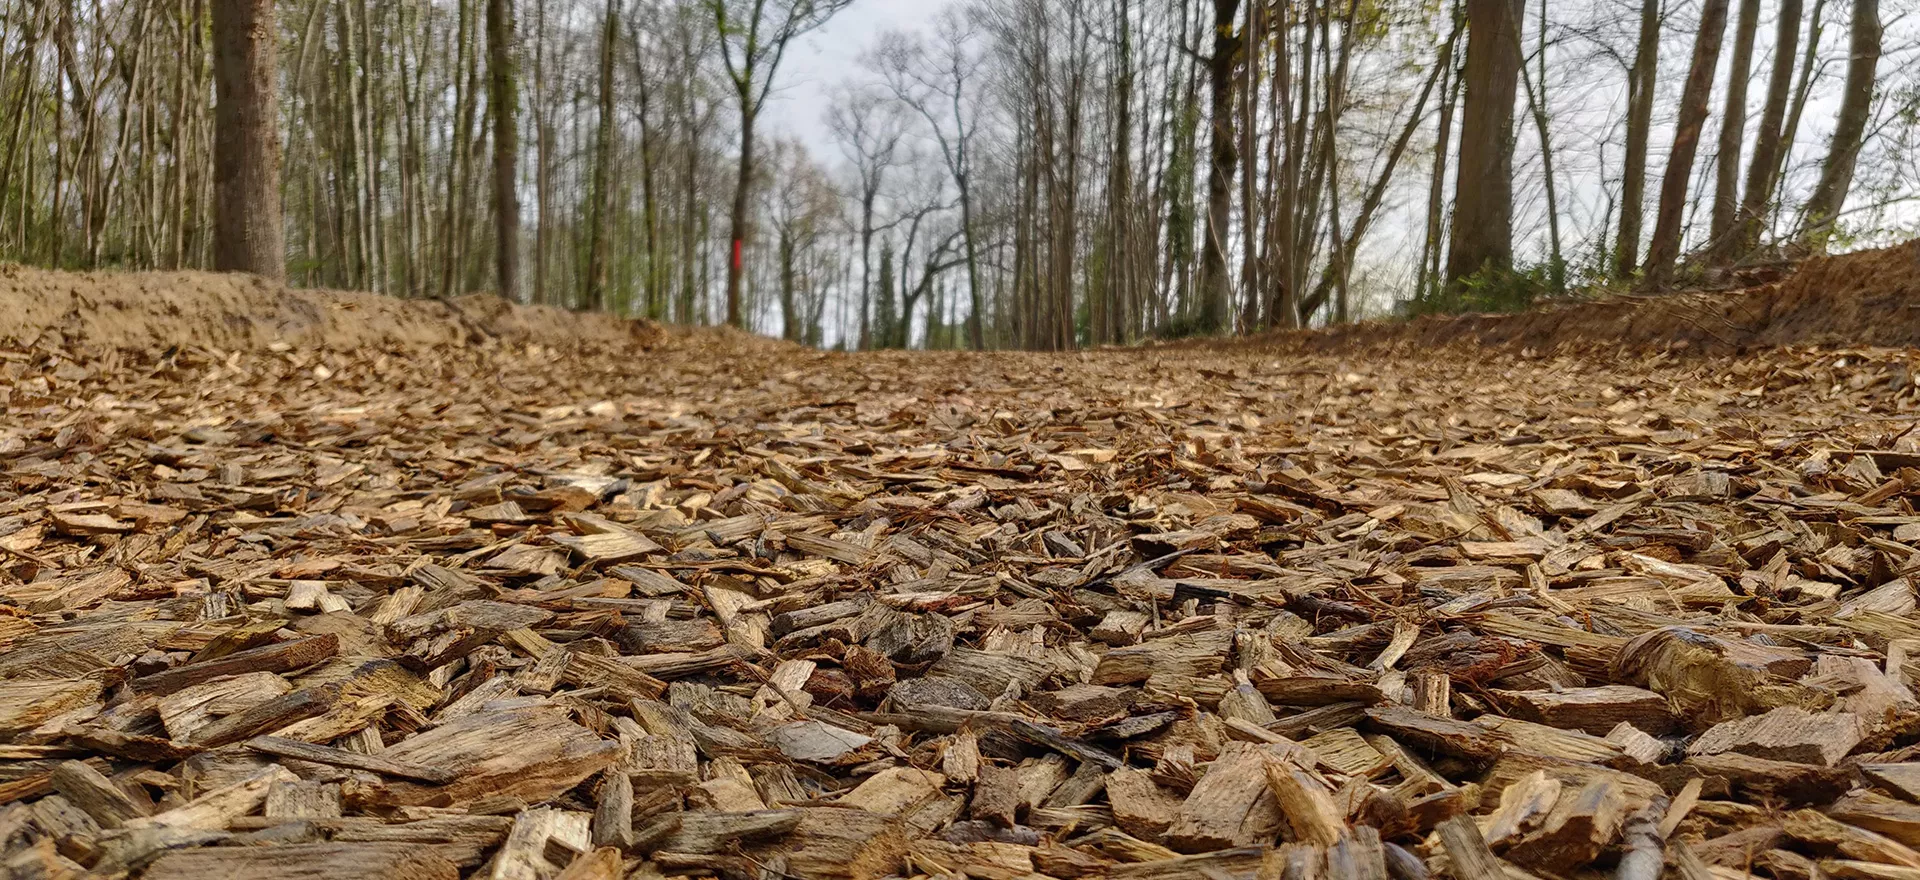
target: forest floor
518 595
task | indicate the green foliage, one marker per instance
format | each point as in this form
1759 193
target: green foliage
1492 289
1183 326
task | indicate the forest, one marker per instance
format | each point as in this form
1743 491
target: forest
1030 174
963 440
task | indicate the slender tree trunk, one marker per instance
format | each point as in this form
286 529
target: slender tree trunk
1633 177
543 161
1790 135
1483 210
453 218
1216 289
655 281
1347 246
1723 243
503 101
1537 105
1856 108
1664 252
1249 207
1436 188
247 227
790 320
598 243
1766 143
737 215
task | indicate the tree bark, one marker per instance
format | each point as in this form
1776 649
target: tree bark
503 101
1723 247
737 217
1428 279
1766 143
248 230
1664 252
1537 105
1633 177
1249 206
598 244
1856 107
1216 289
1483 200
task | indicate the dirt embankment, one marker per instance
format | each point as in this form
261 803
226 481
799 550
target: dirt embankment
142 310
1864 298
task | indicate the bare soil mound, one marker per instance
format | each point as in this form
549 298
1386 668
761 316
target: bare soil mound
238 312
1864 298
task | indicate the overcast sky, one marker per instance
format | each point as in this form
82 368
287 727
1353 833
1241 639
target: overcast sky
830 56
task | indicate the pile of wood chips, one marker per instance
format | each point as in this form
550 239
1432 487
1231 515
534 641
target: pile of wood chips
741 611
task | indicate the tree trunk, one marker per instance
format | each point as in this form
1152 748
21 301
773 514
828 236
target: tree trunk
1216 289
1722 247
1766 143
598 244
1345 247
543 161
503 101
1856 106
737 216
1537 105
247 226
1428 279
1664 252
1249 206
453 229
1633 177
789 319
1483 209
1804 88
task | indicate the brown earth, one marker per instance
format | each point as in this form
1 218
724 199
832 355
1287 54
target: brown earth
1865 298
143 310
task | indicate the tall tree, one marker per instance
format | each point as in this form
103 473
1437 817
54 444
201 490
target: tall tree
598 243
754 35
1664 252
248 231
503 101
1483 197
1856 107
1216 288
1633 177
934 81
869 134
1722 244
1429 270
1762 171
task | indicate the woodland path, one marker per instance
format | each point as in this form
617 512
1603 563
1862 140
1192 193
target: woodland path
721 607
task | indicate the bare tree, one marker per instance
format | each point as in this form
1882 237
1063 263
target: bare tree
598 244
870 132
1856 106
754 35
1763 170
503 102
1633 177
1216 287
247 226
933 80
1733 124
1664 252
1483 210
